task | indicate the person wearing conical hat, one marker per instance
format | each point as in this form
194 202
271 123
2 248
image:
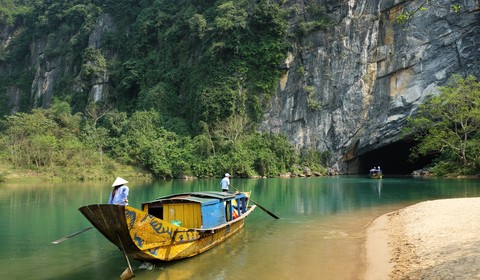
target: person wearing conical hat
119 193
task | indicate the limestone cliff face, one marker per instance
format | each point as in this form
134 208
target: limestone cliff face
349 89
99 85
48 71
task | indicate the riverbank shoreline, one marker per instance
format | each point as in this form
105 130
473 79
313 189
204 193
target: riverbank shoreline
437 239
9 174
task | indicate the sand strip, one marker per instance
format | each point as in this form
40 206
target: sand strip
431 240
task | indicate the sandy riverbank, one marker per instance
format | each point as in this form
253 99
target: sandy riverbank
431 240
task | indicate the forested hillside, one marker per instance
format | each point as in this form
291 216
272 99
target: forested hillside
183 85
249 87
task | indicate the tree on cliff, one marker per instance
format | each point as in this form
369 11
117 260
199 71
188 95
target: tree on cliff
448 125
412 7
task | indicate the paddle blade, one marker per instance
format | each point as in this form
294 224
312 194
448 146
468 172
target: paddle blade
70 236
127 274
265 210
260 206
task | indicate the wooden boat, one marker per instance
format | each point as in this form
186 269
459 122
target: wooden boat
171 227
376 174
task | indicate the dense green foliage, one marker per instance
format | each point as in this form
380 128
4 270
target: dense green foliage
448 125
10 10
185 84
47 141
59 143
188 60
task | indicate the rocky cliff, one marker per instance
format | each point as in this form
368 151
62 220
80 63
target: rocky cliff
347 89
366 75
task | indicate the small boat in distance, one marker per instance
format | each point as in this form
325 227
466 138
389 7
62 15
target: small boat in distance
376 173
171 227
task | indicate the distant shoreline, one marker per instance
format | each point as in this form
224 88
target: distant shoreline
25 176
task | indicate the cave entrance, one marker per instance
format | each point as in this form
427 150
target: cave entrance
393 159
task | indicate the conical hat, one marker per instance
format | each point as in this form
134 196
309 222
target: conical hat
119 181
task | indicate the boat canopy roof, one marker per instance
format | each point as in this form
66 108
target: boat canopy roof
204 198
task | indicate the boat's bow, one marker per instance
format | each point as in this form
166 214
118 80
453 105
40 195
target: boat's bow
109 219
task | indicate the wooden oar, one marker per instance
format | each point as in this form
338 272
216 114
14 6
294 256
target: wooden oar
261 207
70 236
128 273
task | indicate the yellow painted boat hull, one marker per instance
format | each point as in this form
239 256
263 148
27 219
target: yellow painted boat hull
148 238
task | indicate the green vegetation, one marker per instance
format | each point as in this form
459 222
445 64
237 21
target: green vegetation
412 8
184 86
56 143
48 142
448 126
191 62
11 10
312 103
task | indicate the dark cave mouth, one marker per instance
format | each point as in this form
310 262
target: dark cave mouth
393 159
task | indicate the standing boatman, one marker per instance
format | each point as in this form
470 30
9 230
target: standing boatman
225 183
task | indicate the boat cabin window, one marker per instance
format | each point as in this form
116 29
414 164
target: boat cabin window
228 210
234 208
156 211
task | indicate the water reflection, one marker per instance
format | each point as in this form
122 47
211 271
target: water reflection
319 234
378 187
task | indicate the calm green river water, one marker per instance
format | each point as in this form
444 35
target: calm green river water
319 236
